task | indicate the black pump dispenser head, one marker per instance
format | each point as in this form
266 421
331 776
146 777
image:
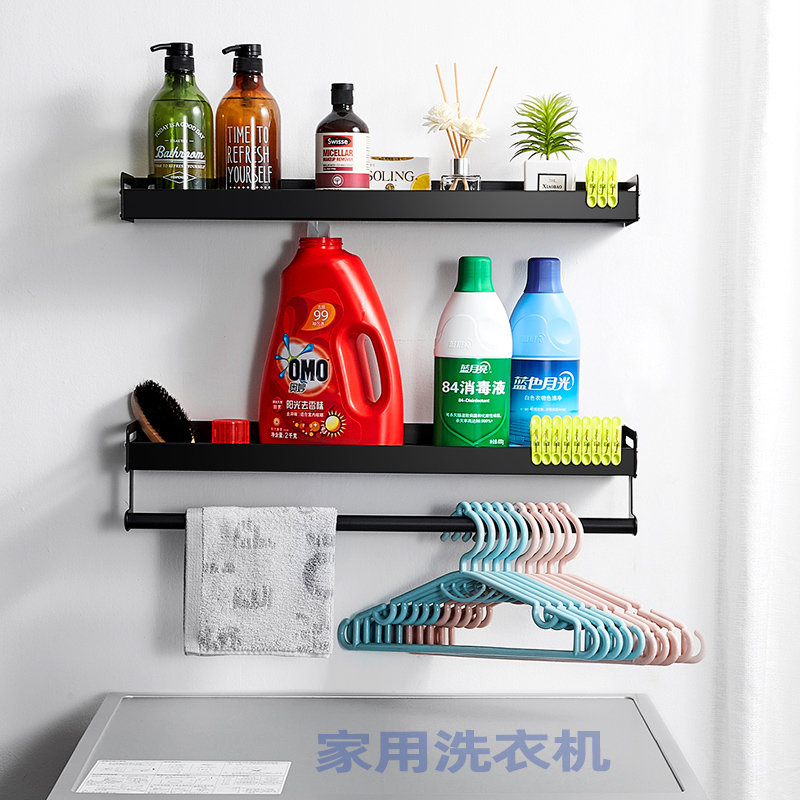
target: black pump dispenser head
342 94
247 57
179 56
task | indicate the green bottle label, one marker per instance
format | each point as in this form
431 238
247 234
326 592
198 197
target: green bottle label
471 402
181 151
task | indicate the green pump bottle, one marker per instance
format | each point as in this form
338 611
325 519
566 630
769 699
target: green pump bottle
180 125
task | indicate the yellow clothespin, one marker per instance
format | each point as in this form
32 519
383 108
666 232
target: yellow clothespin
591 183
613 189
602 183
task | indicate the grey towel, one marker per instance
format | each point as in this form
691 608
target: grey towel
259 581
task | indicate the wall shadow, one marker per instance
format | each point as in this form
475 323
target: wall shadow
31 772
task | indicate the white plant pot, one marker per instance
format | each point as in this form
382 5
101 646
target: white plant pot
549 176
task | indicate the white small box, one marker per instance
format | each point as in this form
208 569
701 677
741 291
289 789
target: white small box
399 172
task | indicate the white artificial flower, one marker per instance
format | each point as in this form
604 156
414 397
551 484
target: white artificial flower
470 128
441 117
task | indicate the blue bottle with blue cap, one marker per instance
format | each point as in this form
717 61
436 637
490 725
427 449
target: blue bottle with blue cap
546 351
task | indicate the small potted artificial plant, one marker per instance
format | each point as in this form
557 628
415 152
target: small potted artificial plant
544 130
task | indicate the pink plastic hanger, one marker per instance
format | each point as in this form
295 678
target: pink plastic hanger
545 546
565 547
680 641
659 648
556 537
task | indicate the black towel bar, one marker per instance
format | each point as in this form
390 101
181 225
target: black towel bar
394 524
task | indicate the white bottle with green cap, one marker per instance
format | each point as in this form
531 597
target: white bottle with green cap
472 362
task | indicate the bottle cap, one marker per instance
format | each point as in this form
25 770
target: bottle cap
330 242
230 431
474 274
544 276
179 56
342 94
247 57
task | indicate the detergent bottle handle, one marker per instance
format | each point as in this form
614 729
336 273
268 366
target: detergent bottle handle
349 340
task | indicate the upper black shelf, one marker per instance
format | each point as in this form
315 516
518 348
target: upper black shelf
416 456
498 201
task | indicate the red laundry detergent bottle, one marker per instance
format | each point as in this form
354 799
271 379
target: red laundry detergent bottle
332 374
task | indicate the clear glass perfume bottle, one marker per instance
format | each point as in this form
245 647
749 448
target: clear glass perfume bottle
459 179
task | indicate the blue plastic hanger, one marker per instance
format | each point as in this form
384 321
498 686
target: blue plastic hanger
381 627
486 575
621 631
616 642
625 648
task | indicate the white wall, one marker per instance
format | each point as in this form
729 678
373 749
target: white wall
91 306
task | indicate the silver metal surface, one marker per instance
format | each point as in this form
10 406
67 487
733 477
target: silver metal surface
644 761
459 166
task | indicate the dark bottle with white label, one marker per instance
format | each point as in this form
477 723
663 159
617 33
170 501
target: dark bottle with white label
342 144
180 125
248 127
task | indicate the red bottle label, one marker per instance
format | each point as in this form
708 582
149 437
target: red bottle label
304 380
342 161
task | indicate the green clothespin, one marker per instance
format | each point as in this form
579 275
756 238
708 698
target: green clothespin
577 453
547 431
555 440
605 442
597 435
616 441
591 183
536 439
566 440
613 189
586 441
602 183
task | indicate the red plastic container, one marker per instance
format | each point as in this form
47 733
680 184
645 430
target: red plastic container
230 431
318 387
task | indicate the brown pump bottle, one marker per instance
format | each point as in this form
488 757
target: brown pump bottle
342 147
248 127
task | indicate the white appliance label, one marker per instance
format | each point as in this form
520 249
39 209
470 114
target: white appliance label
552 183
186 777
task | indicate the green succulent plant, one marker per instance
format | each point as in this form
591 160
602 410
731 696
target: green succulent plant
546 127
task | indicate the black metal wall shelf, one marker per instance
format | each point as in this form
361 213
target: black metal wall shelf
498 201
416 456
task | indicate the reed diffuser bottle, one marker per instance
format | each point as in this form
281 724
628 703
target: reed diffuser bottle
459 179
248 127
180 125
461 132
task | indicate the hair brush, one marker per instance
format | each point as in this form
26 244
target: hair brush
160 415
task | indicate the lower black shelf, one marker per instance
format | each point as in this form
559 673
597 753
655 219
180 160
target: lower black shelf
497 201
416 456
